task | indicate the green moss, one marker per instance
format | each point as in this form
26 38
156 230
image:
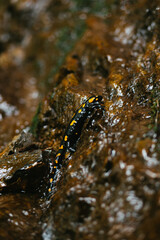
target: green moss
35 121
65 42
91 6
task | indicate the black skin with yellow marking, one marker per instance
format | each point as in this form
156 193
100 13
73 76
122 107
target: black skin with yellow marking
73 132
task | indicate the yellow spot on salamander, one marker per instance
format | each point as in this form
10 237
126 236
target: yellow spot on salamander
65 138
80 110
49 190
56 161
55 167
61 147
72 122
58 155
51 180
91 100
83 105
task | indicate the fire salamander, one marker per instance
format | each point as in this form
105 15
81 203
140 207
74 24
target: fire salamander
73 132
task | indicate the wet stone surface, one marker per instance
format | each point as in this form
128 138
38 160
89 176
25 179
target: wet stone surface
110 187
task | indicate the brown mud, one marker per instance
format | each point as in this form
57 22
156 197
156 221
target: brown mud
67 51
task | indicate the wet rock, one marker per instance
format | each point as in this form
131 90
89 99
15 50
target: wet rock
21 213
22 166
109 188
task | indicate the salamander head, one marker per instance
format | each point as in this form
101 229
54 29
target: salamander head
95 102
94 99
99 99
